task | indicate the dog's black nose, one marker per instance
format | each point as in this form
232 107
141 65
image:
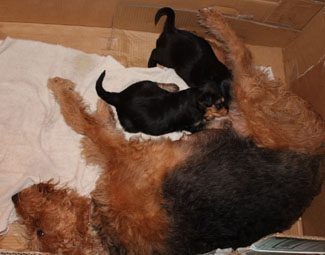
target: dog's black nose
15 198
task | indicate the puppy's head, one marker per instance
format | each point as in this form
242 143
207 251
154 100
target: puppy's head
55 218
217 95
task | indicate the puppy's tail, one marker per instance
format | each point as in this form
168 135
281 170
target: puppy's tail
170 20
238 56
109 97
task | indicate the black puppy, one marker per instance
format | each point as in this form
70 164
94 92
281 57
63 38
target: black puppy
146 107
191 56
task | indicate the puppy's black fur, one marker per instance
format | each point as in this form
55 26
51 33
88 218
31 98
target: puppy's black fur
234 193
191 56
145 107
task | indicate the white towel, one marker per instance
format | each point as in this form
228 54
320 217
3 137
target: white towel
35 143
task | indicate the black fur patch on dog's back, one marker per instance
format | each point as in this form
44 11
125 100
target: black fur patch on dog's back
232 193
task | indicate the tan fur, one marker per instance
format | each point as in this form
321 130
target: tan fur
264 109
127 198
126 203
62 215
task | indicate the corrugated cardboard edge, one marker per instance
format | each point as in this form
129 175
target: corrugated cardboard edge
313 80
74 12
304 62
141 18
307 49
10 252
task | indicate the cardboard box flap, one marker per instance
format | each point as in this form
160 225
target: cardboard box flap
314 220
143 17
294 14
257 10
262 22
254 33
311 87
91 13
307 50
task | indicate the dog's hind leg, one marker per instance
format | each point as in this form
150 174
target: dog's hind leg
238 57
267 111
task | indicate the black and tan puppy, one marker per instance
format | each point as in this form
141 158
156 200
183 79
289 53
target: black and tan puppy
148 108
191 56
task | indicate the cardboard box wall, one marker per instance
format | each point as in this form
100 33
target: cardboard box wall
288 35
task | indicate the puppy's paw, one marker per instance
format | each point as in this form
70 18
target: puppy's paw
58 83
212 113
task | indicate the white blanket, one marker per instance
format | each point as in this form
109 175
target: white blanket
36 144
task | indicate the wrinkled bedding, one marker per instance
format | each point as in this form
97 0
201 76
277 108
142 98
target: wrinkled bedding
36 144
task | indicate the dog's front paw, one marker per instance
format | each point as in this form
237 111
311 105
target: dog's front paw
58 83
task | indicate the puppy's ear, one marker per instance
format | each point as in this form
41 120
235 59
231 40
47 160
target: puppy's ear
207 94
225 87
205 100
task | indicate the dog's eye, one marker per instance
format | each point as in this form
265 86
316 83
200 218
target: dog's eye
40 233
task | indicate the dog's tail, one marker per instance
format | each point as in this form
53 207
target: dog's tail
109 97
238 56
170 20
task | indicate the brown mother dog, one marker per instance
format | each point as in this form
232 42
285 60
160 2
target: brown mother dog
210 190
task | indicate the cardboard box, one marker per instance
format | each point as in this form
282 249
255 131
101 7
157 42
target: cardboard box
288 35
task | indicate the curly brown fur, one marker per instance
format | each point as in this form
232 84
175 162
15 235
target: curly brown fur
264 110
209 190
127 200
57 220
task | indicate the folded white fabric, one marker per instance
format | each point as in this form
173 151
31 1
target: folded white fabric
36 144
